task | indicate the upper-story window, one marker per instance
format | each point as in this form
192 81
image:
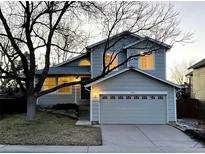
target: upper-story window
84 62
146 62
109 60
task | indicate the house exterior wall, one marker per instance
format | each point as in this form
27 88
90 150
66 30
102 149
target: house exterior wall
77 61
198 84
52 99
159 69
97 54
159 57
132 81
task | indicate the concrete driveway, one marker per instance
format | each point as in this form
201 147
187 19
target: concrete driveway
127 138
145 138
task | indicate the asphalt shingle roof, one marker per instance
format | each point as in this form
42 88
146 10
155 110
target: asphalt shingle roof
74 70
198 65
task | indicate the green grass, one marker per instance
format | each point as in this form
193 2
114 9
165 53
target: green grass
48 129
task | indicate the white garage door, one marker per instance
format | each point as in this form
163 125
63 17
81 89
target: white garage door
133 109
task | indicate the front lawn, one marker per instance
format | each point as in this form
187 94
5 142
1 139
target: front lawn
48 129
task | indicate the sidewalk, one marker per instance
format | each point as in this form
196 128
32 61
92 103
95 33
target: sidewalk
91 149
42 149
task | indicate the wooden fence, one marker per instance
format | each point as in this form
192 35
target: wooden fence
187 108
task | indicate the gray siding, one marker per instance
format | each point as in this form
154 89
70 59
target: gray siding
159 62
76 62
97 54
133 81
159 57
53 99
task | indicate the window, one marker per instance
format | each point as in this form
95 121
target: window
146 62
65 90
152 97
104 97
50 82
84 62
144 97
108 58
136 97
112 97
160 97
120 97
128 97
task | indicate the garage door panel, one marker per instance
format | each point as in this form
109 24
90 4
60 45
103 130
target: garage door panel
133 111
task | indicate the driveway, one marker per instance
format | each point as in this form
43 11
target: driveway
127 138
145 138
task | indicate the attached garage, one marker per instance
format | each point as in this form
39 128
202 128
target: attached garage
133 109
133 97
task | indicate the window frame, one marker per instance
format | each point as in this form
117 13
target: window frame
116 60
153 68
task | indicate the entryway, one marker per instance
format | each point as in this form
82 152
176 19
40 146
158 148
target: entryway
84 115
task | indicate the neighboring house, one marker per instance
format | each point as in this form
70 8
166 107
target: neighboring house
197 80
135 93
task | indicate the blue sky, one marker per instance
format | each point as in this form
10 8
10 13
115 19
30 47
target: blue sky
192 18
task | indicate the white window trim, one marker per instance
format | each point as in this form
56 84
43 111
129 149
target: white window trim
138 59
116 61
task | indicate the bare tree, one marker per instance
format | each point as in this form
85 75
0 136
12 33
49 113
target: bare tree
179 70
37 24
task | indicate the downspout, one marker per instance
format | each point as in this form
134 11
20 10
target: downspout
75 94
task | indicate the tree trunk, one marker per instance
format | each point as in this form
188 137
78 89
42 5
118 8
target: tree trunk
31 108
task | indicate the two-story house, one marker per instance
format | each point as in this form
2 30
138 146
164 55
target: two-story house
135 93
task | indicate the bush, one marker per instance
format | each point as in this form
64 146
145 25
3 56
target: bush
12 105
66 107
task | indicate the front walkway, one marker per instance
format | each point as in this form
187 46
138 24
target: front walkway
84 115
127 138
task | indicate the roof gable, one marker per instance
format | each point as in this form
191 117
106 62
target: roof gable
150 40
124 33
137 70
71 60
128 33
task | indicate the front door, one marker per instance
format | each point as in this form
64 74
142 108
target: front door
85 94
